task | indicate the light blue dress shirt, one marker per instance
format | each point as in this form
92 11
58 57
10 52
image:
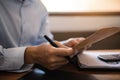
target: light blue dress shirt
22 23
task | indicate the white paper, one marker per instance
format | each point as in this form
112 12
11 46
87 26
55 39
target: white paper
90 59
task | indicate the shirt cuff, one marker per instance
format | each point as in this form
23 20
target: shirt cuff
24 68
14 59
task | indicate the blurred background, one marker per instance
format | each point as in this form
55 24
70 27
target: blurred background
80 18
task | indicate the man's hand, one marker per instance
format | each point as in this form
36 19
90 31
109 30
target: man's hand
47 55
73 41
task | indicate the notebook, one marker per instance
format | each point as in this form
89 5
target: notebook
89 60
97 36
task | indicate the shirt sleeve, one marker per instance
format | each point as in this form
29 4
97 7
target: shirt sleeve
45 29
12 59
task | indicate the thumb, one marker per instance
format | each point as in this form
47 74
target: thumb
60 45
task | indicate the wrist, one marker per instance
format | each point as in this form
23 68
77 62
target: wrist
28 56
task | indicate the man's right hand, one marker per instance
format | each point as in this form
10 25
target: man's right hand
47 55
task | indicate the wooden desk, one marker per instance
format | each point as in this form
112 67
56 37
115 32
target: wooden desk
69 73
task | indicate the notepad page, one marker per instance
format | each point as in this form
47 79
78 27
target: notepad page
91 59
97 36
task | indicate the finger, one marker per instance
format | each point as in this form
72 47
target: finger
65 48
74 41
80 39
63 51
57 59
60 45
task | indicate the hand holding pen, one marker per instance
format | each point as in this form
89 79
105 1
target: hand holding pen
73 60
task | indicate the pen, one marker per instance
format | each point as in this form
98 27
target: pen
73 61
55 45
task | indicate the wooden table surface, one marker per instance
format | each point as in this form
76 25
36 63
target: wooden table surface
69 73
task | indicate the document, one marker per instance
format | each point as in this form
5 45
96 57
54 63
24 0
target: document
97 36
90 59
